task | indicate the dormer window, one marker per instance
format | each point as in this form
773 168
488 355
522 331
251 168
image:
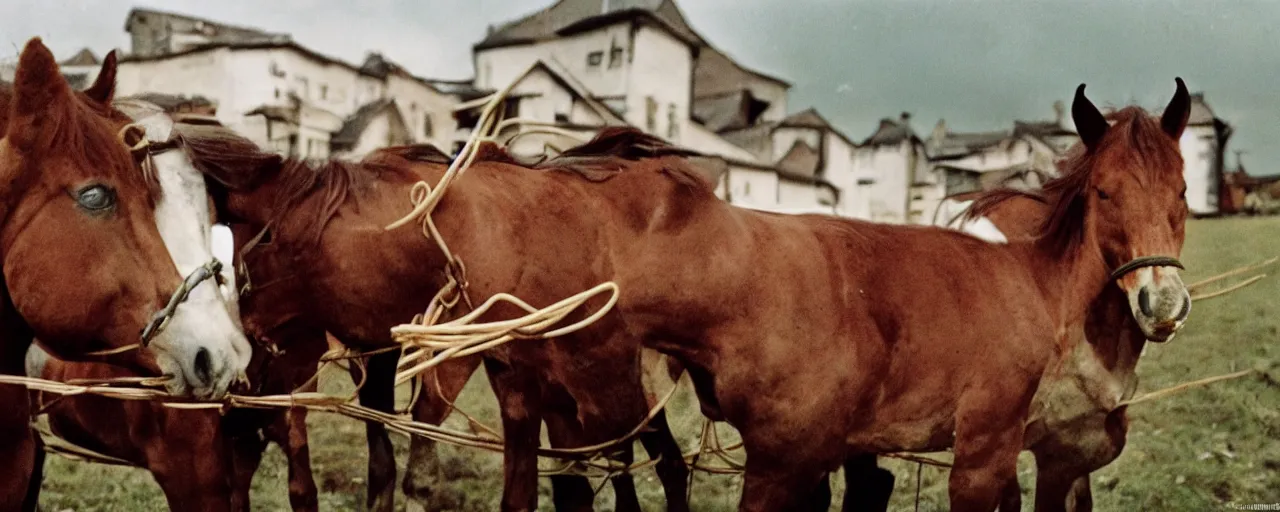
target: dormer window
594 59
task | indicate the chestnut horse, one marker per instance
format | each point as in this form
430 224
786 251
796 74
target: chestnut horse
201 459
73 190
1075 426
323 221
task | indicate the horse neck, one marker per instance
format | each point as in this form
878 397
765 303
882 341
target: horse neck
1071 280
1116 341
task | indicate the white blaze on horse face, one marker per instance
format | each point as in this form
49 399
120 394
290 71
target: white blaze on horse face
203 345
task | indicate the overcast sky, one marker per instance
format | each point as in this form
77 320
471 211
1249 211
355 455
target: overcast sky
978 64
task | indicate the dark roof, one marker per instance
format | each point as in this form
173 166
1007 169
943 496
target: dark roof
172 102
349 134
276 36
77 81
1040 129
891 132
961 144
810 118
276 113
84 57
255 45
733 110
465 90
802 160
569 16
717 72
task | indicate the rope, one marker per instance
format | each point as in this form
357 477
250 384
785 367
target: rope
1182 387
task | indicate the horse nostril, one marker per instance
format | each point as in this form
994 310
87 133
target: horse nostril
203 367
1144 301
1186 309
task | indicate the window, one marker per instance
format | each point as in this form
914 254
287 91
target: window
650 114
673 122
594 59
303 87
277 93
324 92
615 55
275 70
426 126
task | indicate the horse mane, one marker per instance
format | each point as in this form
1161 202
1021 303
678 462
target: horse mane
1149 149
607 154
68 132
240 164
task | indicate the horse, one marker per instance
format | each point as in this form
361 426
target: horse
201 459
323 220
1076 425
73 188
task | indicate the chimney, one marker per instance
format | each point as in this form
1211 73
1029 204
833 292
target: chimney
1058 110
905 117
939 130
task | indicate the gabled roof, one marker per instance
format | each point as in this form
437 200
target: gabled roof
570 16
802 160
174 102
84 57
1040 129
891 132
810 118
237 46
355 125
961 144
717 72
569 83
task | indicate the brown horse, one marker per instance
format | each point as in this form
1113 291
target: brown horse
587 386
741 318
201 459
72 189
1075 426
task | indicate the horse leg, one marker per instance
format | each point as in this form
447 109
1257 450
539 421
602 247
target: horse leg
31 503
867 486
1011 497
1080 499
768 489
661 444
572 492
246 447
423 472
192 462
1056 478
988 441
520 403
288 429
378 393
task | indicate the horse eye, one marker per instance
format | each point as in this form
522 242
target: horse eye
1103 195
96 198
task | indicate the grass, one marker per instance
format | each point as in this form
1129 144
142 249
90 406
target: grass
1197 450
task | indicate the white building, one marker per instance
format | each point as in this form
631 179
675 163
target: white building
1204 146
642 61
281 94
885 167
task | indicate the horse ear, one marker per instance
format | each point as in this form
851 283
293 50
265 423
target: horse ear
1089 121
1175 117
39 91
104 87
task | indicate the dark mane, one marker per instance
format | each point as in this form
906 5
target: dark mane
239 164
604 156
1135 133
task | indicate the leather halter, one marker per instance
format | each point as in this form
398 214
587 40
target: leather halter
1145 261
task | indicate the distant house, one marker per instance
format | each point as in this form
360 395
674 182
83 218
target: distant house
80 69
281 94
1204 146
154 33
885 166
969 162
642 61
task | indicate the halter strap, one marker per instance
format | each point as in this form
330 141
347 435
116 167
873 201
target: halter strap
1146 261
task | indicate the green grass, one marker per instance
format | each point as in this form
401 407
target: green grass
1193 451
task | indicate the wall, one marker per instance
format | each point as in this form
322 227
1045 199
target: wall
1199 151
376 135
706 141
753 188
838 169
203 74
497 67
797 195
885 200
662 70
418 102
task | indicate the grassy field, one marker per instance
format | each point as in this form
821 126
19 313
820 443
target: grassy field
1194 451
